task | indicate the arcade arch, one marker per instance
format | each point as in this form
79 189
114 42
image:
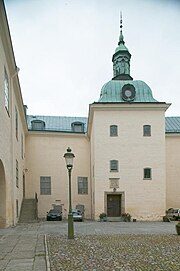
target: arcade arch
2 196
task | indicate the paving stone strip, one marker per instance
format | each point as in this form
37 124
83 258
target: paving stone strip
127 252
20 252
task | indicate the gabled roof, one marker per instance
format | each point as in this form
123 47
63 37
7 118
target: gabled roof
172 124
56 123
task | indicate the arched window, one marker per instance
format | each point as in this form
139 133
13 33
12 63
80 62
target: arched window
147 173
113 165
147 130
113 130
77 127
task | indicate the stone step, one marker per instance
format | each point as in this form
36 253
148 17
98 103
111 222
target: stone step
28 211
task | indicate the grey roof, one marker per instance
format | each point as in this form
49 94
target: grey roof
172 124
64 124
56 123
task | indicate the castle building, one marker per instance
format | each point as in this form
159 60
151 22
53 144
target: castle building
126 151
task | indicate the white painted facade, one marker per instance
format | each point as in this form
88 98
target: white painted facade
12 140
40 153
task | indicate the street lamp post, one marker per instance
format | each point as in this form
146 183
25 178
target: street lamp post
69 156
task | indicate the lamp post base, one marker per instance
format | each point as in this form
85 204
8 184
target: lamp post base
70 226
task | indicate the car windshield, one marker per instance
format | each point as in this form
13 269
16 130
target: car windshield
76 212
54 211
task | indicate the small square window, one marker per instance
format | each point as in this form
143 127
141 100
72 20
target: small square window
147 130
147 173
113 130
113 165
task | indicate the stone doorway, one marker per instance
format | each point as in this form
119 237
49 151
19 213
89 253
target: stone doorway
113 205
2 197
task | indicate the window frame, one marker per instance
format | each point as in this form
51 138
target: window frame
145 170
115 167
84 182
113 130
45 181
146 130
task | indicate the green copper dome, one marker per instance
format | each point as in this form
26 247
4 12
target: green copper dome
112 91
121 47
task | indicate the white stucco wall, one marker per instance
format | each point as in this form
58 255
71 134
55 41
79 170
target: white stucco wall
134 152
173 170
44 156
10 147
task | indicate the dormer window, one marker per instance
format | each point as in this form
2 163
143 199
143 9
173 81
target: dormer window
38 125
77 127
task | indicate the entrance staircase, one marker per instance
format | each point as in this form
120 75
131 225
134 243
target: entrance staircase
114 219
28 211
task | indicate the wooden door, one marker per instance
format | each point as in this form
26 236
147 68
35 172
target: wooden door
113 205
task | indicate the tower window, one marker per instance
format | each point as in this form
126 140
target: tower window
113 130
113 165
147 130
147 173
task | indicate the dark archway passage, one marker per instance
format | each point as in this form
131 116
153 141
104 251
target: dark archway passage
2 196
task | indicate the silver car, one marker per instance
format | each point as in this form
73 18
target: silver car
77 215
173 213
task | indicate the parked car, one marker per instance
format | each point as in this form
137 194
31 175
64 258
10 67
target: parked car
77 215
173 213
54 215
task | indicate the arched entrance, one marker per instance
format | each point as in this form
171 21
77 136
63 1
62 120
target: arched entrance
2 197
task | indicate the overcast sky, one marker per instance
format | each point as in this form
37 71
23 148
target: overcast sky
64 50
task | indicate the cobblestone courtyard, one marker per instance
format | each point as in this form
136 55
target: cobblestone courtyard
126 252
145 246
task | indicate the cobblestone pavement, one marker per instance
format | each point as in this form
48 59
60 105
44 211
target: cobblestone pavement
97 246
126 252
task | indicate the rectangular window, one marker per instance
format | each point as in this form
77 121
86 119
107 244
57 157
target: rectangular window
16 122
6 90
22 146
82 185
45 185
17 174
147 173
147 130
113 165
113 130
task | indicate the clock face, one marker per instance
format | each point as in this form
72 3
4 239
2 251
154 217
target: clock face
128 92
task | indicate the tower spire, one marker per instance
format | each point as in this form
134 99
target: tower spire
121 58
121 37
